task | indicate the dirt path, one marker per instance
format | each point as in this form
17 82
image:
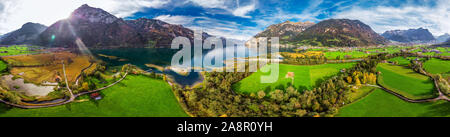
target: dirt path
81 73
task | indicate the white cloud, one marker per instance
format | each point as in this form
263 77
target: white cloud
231 6
211 3
220 28
15 13
181 20
382 18
243 10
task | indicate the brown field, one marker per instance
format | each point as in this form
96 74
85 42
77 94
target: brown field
38 59
50 72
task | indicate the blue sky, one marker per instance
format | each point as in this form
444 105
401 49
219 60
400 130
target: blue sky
241 19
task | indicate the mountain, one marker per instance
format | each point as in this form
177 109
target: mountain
285 30
27 34
160 33
444 44
443 38
92 27
419 35
339 32
96 28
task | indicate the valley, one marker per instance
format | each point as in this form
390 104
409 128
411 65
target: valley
96 64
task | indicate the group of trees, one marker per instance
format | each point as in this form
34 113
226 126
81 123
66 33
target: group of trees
11 97
304 60
217 98
443 84
359 78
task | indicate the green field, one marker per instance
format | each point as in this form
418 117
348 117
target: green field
15 50
360 93
353 54
402 61
405 81
305 77
136 96
382 104
437 66
444 51
3 66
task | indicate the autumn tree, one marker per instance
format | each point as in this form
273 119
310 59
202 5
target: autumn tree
261 94
349 79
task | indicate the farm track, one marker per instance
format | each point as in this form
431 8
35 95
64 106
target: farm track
71 98
81 73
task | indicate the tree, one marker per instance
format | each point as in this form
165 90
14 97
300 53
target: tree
357 82
261 94
84 86
349 79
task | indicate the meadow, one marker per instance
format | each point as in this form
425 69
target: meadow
360 93
45 67
382 104
405 81
341 55
305 77
15 50
136 96
437 66
402 61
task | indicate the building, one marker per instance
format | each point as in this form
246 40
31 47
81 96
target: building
96 96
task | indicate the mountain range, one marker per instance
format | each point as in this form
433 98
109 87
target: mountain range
98 29
27 34
443 38
285 30
419 35
339 32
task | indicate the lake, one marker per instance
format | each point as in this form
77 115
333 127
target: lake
161 57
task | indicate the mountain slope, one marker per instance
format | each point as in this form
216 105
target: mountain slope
443 38
339 32
27 34
444 44
160 33
285 30
410 35
92 27
96 28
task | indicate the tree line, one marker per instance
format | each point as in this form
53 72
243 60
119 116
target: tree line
217 98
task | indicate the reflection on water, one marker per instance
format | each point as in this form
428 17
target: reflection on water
162 57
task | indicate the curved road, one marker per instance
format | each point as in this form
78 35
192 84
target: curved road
81 73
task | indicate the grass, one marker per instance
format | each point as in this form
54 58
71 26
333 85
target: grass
402 61
353 54
39 74
305 77
437 66
382 104
136 96
38 59
15 50
3 66
405 81
360 93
